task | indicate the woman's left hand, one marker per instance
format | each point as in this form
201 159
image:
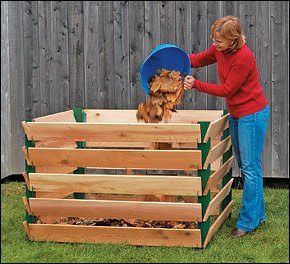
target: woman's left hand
188 82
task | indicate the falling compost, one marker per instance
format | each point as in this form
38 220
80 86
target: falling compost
166 90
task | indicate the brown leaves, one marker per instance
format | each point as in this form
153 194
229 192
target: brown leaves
128 223
166 90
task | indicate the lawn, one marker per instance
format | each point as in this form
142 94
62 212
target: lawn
268 244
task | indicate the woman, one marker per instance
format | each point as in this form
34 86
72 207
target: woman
248 108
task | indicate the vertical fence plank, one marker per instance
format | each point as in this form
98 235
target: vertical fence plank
106 86
91 53
263 58
76 54
16 74
6 151
27 56
231 8
45 57
213 13
152 26
35 89
121 54
60 54
199 44
248 20
136 18
167 22
280 114
183 40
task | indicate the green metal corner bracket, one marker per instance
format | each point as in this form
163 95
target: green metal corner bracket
29 169
228 176
80 116
204 174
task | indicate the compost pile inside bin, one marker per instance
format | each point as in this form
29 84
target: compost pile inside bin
166 90
127 223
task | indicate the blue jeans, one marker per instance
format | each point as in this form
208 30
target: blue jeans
248 134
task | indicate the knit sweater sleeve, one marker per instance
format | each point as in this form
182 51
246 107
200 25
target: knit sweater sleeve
235 80
203 58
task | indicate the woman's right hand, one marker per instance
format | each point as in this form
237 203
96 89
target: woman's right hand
188 82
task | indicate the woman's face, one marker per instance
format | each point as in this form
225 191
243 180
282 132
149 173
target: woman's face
222 43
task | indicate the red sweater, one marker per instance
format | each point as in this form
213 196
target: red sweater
239 79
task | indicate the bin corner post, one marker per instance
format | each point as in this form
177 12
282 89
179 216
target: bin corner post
80 116
228 176
30 219
204 174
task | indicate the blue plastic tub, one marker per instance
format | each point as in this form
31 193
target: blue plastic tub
166 56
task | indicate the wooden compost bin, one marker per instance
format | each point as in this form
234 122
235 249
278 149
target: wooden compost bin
61 148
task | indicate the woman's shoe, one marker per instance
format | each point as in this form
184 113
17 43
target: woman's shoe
238 233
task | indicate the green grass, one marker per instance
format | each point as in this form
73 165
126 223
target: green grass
268 244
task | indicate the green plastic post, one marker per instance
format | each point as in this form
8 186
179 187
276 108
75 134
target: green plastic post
80 116
204 174
228 176
29 169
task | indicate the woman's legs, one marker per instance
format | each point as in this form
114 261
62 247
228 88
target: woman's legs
251 133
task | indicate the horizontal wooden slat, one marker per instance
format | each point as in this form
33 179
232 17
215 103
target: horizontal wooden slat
122 235
48 143
116 184
217 223
129 116
55 144
217 151
216 127
65 116
218 175
108 132
216 201
93 144
118 159
139 197
165 211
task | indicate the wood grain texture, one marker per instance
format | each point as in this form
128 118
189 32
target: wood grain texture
108 132
116 184
115 235
163 211
118 159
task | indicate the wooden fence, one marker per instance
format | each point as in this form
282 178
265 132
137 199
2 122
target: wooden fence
57 55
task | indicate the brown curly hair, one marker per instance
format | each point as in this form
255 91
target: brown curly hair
229 27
